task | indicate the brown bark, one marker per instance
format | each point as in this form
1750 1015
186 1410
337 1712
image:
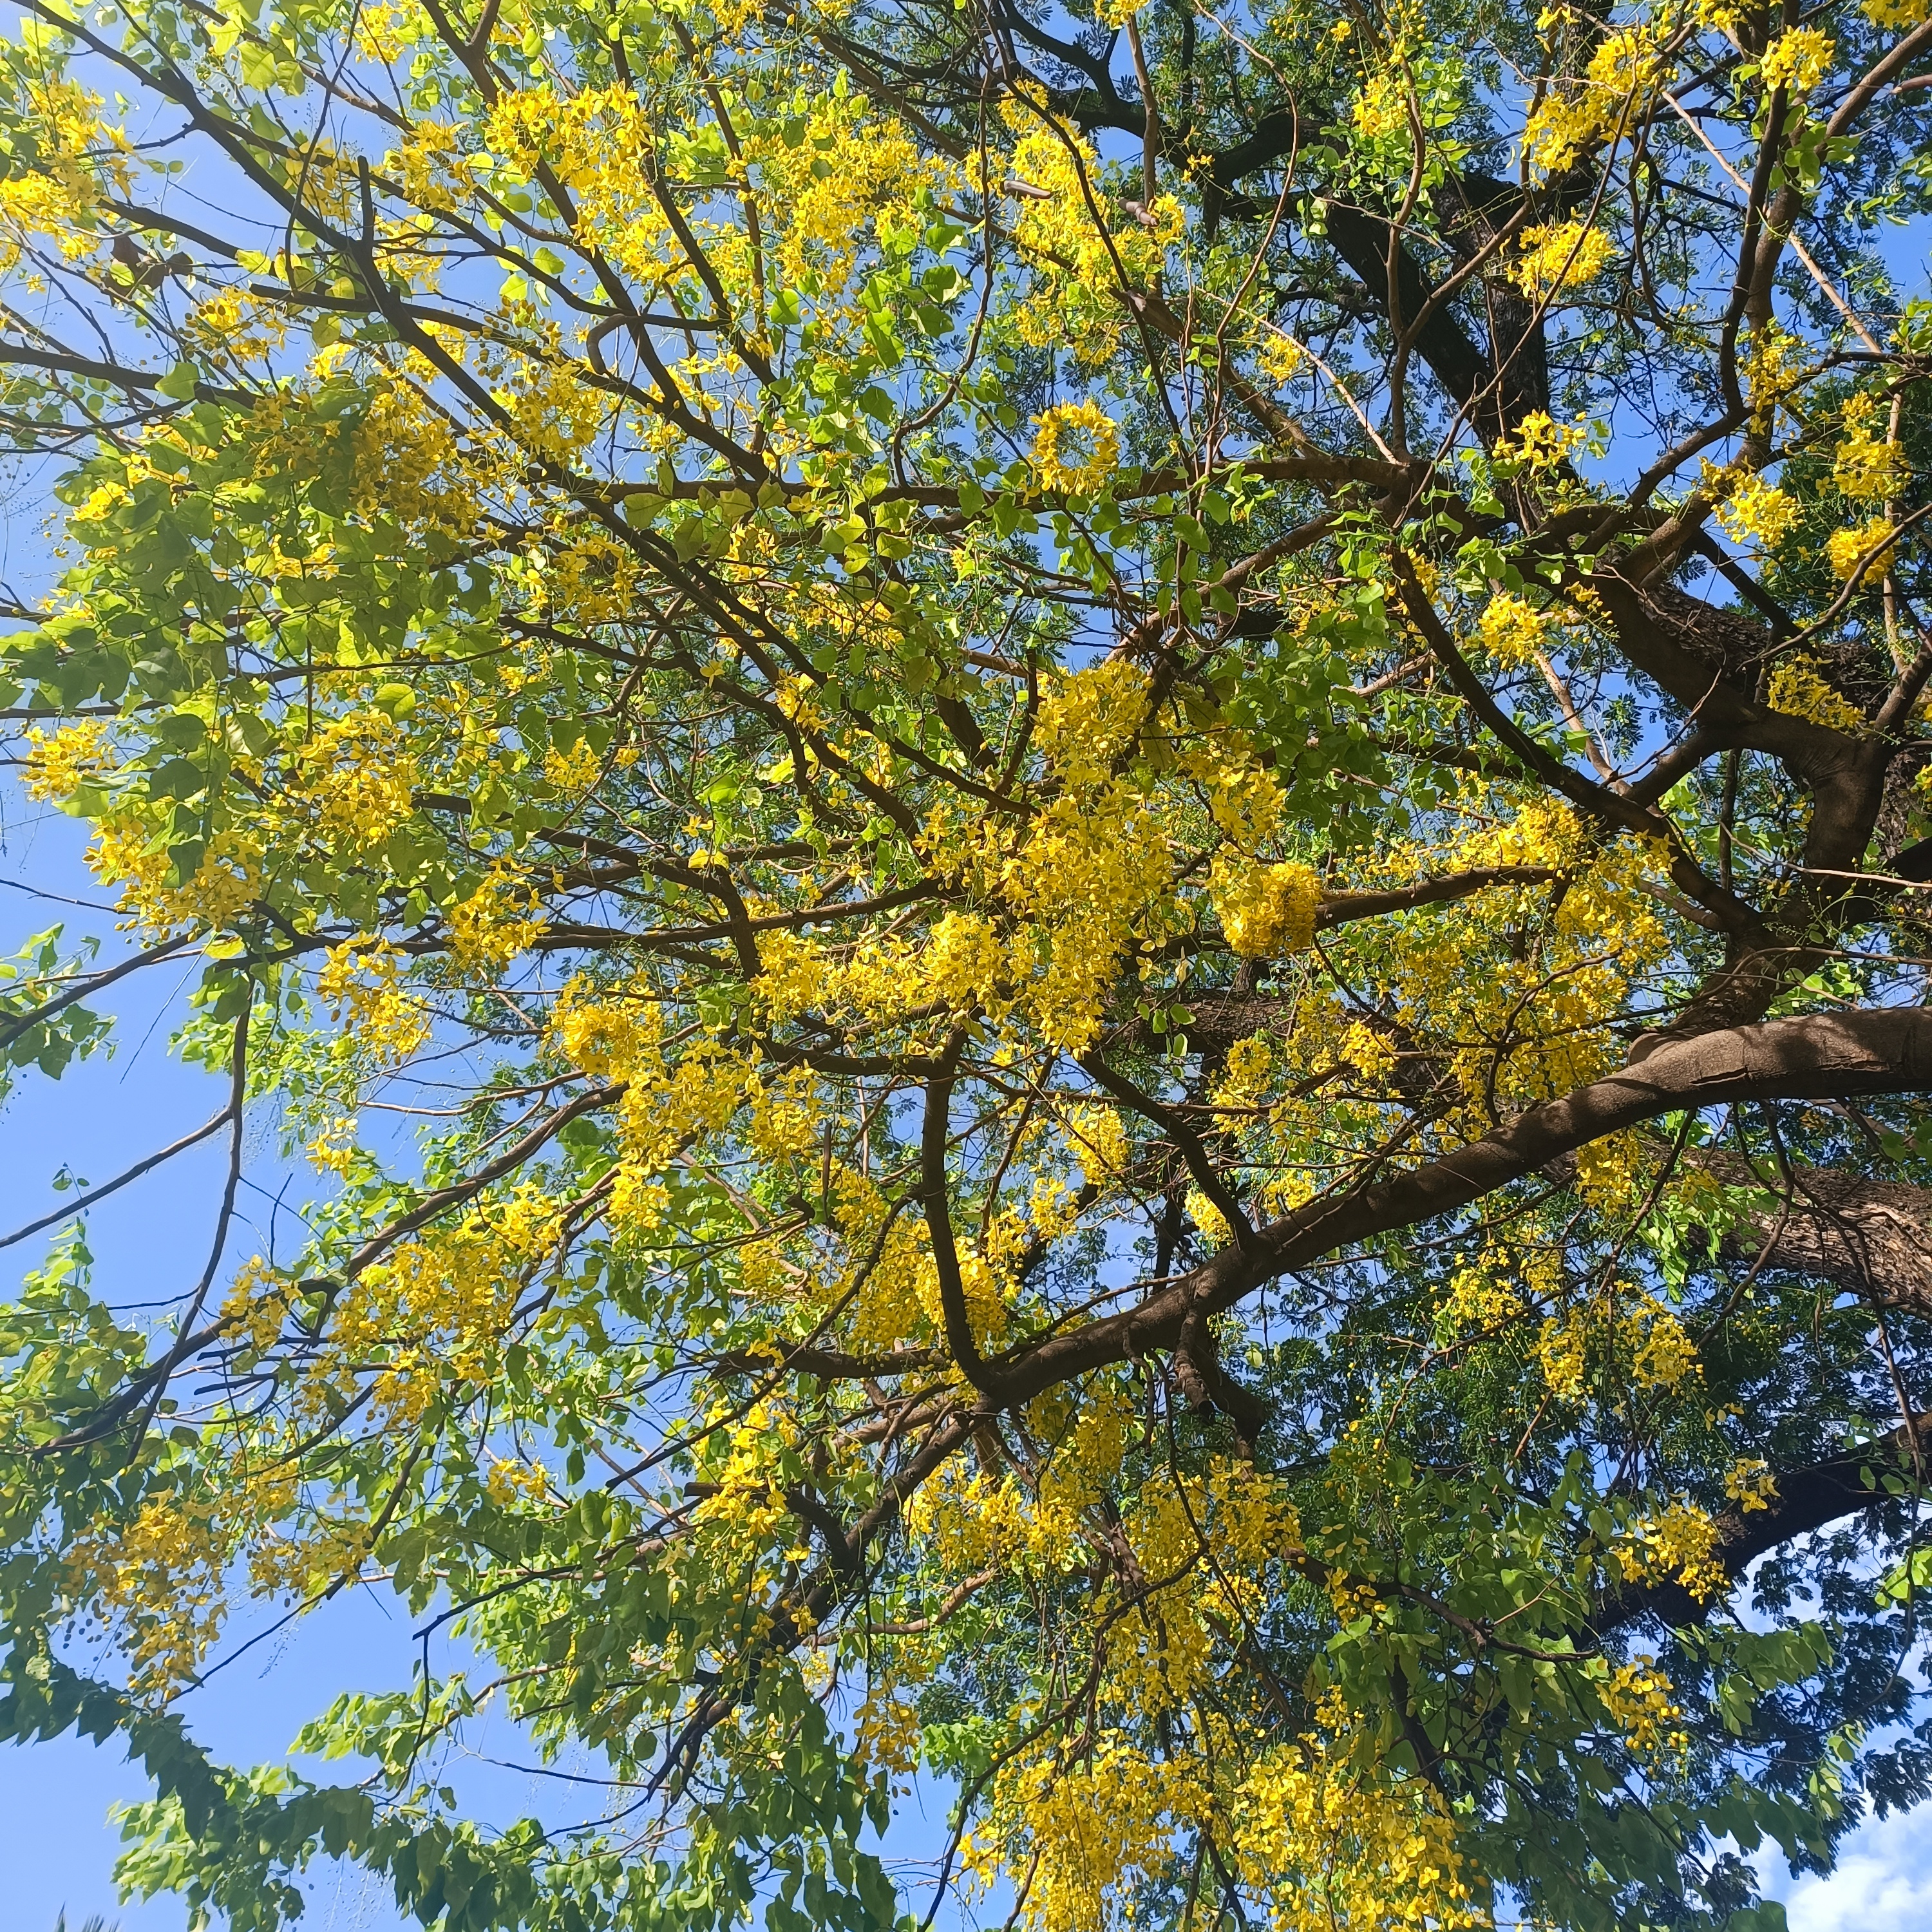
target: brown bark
1872 1238
1818 1057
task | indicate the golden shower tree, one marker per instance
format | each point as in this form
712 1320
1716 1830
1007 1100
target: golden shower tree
1137 808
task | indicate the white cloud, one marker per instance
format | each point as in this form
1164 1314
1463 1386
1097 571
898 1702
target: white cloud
1884 1879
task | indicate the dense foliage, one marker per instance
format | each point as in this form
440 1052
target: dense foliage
1138 809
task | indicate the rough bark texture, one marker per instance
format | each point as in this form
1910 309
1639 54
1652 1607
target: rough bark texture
1871 1238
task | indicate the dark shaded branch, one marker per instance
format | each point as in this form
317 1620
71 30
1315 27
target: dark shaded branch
1808 1499
935 1131
1339 908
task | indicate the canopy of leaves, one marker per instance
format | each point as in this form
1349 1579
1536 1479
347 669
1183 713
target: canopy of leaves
1138 807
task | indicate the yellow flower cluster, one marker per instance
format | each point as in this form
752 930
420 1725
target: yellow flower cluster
510 1482
1751 1484
255 1306
1320 1835
1667 1355
973 1522
1648 1343
1216 1229
1279 357
1560 255
1640 1702
744 1523
127 852
1797 60
965 961
1245 1074
333 1149
59 764
1267 911
1626 66
383 29
1607 1169
1243 798
362 982
1867 543
1513 632
1867 467
1095 859
1541 442
876 981
1681 1542
438 1306
1100 1143
1773 366
1484 1293
575 772
1326 1847
1076 448
1758 512
1382 108
1054 901
488 929
1797 687
1080 302
675 1109
161 1577
1514 1029
1095 1829
983 1286
855 175
233 327
357 777
1562 1353
56 198
592 139
1605 929
668 1106
885 1734
599 1035
130 850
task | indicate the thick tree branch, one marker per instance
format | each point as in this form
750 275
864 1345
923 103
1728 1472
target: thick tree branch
1808 1499
1819 1056
1872 1238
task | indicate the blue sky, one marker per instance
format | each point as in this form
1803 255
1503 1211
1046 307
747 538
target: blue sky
57 1847
1884 1879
